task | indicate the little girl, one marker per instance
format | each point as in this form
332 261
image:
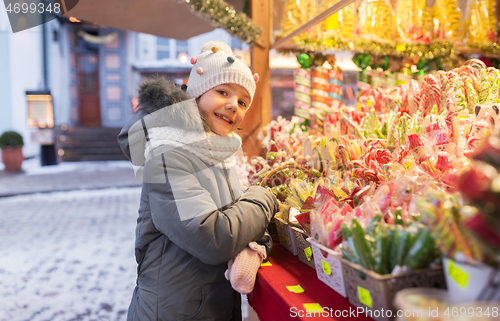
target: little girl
193 216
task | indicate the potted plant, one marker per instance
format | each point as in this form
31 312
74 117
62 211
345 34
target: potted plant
11 143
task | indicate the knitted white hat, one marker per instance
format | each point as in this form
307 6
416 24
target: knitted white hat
216 65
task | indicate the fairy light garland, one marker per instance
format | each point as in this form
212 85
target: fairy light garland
223 15
434 50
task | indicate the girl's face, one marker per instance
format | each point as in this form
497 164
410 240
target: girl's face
224 107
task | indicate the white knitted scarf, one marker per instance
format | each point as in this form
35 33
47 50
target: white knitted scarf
209 147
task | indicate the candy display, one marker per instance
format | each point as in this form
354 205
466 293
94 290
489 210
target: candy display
408 181
433 35
405 180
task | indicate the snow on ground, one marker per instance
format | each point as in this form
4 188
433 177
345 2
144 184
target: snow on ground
33 166
68 255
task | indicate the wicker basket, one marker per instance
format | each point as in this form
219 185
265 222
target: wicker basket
304 250
328 267
285 235
273 228
375 292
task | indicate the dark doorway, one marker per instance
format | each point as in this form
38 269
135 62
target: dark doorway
88 89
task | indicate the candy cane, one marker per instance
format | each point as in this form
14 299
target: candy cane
383 156
432 88
400 153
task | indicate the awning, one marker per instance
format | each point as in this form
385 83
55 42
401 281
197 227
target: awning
164 18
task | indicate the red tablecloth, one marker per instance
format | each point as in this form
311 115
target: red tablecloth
274 302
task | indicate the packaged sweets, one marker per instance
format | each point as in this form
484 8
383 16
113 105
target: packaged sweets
320 88
342 22
302 92
447 20
336 91
477 26
296 13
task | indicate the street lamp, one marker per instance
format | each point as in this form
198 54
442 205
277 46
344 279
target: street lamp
183 57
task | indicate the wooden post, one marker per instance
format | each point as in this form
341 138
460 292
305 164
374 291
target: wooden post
259 113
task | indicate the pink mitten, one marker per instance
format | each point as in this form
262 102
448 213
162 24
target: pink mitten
242 270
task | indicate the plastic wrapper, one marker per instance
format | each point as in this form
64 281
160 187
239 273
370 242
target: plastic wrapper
336 91
320 89
377 20
479 26
296 13
472 96
447 20
413 97
437 210
457 91
326 218
386 248
432 88
414 21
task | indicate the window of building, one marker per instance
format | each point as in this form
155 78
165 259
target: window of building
162 48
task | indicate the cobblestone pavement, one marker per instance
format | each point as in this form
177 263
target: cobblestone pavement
68 255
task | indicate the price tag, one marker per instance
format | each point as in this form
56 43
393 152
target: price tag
365 297
266 264
286 239
295 288
308 252
407 165
313 307
458 275
401 47
323 142
497 101
359 106
326 267
369 103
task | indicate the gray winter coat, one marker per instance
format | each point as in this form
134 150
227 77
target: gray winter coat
181 262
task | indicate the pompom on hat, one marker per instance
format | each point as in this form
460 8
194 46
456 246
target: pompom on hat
216 65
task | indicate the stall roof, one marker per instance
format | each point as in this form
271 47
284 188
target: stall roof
163 18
